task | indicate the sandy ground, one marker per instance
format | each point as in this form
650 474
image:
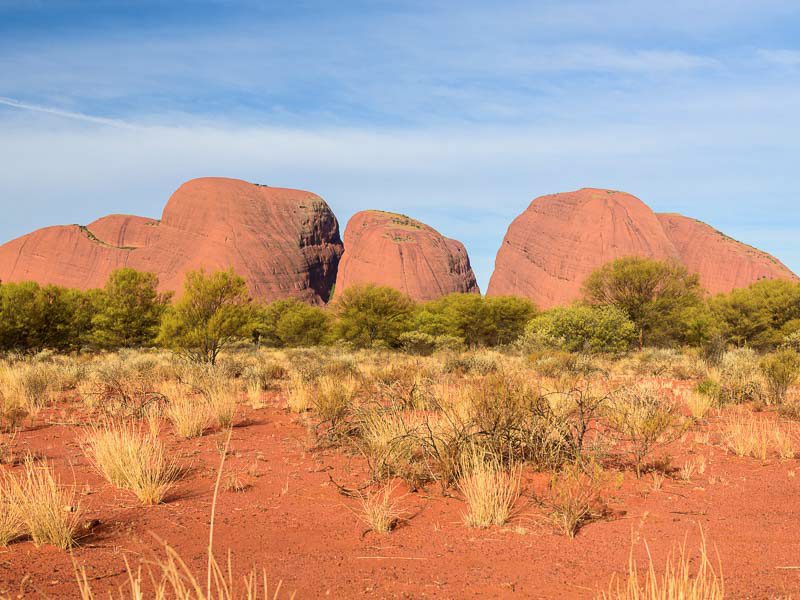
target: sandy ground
291 521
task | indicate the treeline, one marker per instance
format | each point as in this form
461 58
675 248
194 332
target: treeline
628 303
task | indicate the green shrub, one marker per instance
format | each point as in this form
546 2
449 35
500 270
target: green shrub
372 316
780 371
581 329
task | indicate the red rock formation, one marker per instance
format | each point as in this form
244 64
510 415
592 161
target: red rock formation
552 247
284 242
722 263
400 252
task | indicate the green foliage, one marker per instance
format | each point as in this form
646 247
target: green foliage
128 310
581 328
34 317
214 311
760 316
290 323
655 295
371 315
477 321
780 370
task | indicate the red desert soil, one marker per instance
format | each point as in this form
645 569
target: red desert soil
292 521
403 253
284 242
559 240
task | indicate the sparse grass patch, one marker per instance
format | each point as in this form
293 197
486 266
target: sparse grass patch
298 396
677 582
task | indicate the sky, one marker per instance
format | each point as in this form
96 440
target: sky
457 113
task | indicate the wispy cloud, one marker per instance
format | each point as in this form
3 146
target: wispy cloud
787 58
77 116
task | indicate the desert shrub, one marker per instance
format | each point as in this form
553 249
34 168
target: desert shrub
740 377
490 489
372 316
642 420
132 461
581 329
213 312
708 387
475 363
556 364
574 408
575 498
417 342
51 511
781 370
667 362
128 311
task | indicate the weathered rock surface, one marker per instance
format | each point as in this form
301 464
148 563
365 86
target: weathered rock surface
722 263
400 252
552 247
284 242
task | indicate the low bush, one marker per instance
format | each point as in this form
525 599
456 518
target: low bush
781 370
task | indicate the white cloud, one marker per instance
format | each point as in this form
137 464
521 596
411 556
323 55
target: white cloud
786 58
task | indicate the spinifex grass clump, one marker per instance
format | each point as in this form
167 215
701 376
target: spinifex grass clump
380 511
187 412
132 461
490 490
50 511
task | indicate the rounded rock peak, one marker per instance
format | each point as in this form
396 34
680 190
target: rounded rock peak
398 251
206 202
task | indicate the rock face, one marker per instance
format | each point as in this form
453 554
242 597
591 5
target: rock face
400 252
722 263
552 247
284 242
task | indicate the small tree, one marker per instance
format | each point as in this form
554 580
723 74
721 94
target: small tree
213 312
129 310
653 294
370 315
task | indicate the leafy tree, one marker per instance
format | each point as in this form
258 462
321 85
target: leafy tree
760 316
653 294
129 310
290 322
582 328
214 311
370 315
509 315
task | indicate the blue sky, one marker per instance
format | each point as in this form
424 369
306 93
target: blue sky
454 112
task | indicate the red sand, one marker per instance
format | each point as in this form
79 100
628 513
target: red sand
293 522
